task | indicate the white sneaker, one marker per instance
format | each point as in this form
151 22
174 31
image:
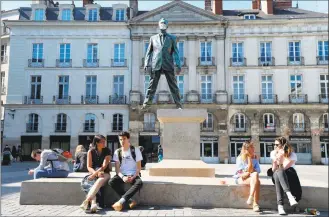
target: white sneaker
281 210
292 200
250 200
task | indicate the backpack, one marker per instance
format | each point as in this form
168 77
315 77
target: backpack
133 154
63 156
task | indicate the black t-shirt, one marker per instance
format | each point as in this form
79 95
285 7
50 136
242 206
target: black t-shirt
98 159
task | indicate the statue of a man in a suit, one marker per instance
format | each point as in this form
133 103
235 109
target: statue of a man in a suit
163 51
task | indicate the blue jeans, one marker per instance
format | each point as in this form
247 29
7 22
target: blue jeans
50 173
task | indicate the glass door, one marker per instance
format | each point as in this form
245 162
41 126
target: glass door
209 152
265 152
324 153
235 151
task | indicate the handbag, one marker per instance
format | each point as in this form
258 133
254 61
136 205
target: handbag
270 172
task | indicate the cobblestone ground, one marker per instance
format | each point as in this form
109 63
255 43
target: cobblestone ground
13 176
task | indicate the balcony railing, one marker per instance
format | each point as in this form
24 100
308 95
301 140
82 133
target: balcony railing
266 61
298 98
89 127
4 59
32 127
192 98
89 99
62 99
117 99
322 60
299 127
149 127
60 127
239 99
239 127
91 63
295 61
206 61
238 61
206 98
32 100
36 63
63 63
269 127
268 99
118 62
323 98
117 127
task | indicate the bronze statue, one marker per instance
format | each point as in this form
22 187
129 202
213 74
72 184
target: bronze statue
163 51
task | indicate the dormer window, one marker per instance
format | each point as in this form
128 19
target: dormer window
249 17
66 14
120 15
39 14
92 15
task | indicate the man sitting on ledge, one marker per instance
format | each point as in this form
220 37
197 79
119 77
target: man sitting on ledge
50 166
127 167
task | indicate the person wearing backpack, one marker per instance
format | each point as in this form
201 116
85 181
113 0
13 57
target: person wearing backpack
52 165
160 153
127 167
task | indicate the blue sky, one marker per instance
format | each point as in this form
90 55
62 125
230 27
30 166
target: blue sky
314 5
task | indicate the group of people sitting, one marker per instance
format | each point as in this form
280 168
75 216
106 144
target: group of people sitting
97 161
283 174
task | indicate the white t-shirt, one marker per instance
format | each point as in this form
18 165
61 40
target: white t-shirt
292 157
128 165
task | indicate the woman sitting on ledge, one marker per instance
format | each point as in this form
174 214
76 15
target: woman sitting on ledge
247 173
80 164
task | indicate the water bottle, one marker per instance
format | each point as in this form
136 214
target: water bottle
312 211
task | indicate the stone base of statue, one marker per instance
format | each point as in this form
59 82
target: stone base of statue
180 141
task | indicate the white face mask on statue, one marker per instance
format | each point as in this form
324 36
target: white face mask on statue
163 26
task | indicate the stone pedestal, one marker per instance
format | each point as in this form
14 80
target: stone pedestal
181 144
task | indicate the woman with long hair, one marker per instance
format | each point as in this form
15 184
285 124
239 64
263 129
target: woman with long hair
98 165
247 173
283 162
80 164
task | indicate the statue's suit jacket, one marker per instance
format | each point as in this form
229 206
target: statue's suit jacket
163 56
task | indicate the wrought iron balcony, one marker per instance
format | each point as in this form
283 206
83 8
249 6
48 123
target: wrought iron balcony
118 62
322 60
268 99
239 99
295 61
323 98
63 63
60 127
117 127
62 99
89 127
266 61
36 63
32 127
299 127
91 63
269 127
4 59
117 99
206 61
89 99
32 100
298 98
149 127
238 61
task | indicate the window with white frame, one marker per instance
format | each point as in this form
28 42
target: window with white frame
89 125
206 88
294 51
149 121
324 88
119 54
92 53
268 120
117 122
266 52
91 84
237 53
208 124
61 122
146 83
118 85
249 17
63 87
298 122
206 53
3 53
325 121
37 53
238 88
267 87
180 84
295 85
33 123
120 15
240 122
64 53
36 87
92 16
323 50
39 14
66 14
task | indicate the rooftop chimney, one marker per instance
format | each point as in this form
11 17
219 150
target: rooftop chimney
207 5
283 4
267 6
256 4
133 4
217 7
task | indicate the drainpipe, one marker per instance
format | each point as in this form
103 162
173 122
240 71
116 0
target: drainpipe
130 71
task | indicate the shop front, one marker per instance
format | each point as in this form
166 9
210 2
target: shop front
209 149
302 146
150 144
28 144
324 141
61 142
266 146
236 145
113 143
